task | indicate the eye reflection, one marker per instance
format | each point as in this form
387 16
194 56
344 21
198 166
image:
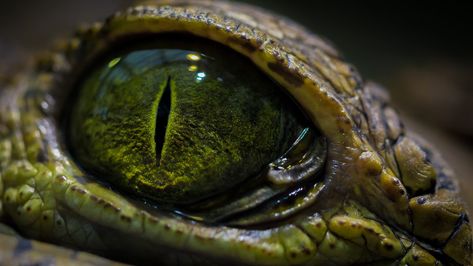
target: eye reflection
139 62
114 62
200 76
193 57
193 68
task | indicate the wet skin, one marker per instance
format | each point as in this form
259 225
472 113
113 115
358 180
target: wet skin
217 133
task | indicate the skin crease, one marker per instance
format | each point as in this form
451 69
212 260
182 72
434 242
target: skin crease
376 199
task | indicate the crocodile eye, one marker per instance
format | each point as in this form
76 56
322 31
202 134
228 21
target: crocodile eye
180 123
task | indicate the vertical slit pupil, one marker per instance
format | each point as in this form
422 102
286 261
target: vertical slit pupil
162 117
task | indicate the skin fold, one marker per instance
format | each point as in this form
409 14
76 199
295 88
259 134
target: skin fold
382 196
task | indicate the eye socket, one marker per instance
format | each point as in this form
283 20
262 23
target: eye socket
178 122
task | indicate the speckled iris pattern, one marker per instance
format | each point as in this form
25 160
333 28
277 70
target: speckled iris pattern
355 188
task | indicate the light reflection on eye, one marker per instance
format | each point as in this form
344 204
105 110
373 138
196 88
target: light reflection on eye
114 62
192 68
141 61
193 57
200 76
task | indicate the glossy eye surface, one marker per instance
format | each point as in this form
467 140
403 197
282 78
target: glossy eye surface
180 123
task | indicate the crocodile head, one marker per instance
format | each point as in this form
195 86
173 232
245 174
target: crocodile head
208 132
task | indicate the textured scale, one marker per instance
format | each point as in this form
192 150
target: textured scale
387 196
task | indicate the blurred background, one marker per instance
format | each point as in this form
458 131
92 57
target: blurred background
423 53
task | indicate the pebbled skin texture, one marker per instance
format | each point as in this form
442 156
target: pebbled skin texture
387 197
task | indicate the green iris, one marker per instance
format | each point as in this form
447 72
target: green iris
179 125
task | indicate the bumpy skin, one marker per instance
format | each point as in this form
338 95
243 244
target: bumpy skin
386 197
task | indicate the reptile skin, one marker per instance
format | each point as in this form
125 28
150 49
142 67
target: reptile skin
386 197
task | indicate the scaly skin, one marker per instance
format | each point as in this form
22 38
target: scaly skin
386 197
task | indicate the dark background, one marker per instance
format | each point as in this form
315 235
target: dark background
422 52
